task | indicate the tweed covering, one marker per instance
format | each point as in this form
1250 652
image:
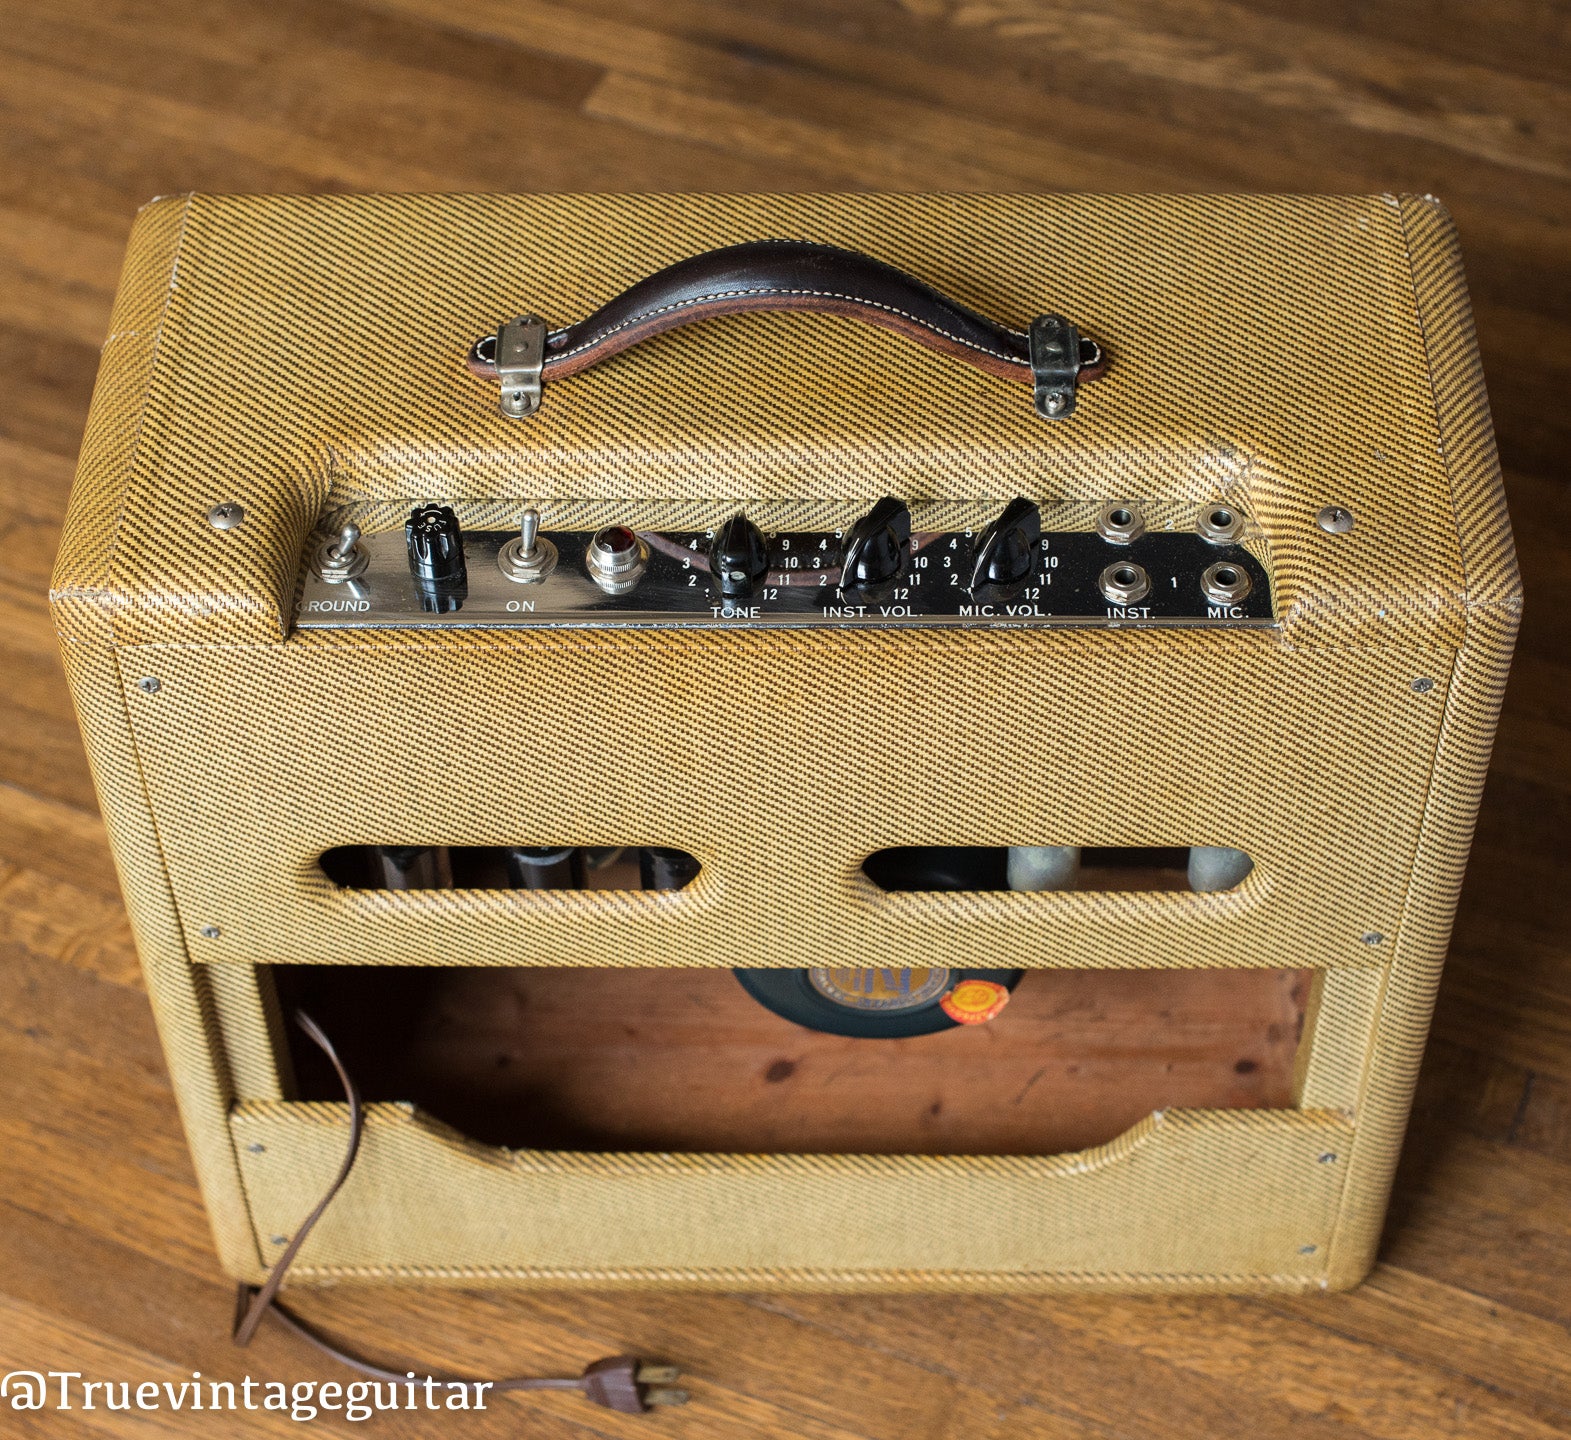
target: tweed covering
303 356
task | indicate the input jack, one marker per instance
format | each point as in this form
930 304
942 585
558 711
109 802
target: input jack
1220 524
1120 524
1124 582
1225 584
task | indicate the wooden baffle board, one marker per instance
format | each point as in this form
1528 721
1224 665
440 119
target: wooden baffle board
587 1059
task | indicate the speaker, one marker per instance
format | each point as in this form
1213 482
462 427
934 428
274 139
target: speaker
952 772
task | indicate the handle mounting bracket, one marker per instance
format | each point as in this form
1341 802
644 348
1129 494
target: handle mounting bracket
1055 365
520 360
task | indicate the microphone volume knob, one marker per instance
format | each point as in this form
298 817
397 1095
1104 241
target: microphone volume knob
1006 554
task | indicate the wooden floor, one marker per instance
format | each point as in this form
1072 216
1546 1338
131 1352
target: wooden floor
105 1264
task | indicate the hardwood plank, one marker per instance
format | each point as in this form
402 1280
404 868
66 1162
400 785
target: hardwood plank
1534 737
40 745
1439 1325
56 279
1384 87
1543 1120
1514 1018
1522 37
1314 1370
1319 1372
365 125
861 134
1166 1355
58 841
93 163
751 1373
1487 1217
817 1369
59 1347
850 161
1507 985
32 540
1195 132
1067 1357
36 483
68 924
49 382
98 1357
1493 1098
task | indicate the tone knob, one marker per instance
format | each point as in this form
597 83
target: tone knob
738 558
1006 555
876 551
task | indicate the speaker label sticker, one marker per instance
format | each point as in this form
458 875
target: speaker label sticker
974 1002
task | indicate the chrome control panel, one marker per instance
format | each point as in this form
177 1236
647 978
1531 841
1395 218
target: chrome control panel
879 571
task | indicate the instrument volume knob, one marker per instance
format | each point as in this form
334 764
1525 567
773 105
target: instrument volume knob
1006 555
876 551
738 558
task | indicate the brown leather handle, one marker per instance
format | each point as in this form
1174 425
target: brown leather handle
788 275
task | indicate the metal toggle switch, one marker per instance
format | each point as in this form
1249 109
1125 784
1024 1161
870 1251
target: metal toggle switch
342 559
529 556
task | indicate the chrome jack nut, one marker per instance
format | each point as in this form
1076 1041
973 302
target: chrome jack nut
1225 584
1120 524
1220 524
1124 583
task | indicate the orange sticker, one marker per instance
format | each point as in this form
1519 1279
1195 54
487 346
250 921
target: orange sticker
974 1002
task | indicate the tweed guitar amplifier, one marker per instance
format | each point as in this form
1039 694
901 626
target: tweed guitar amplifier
965 788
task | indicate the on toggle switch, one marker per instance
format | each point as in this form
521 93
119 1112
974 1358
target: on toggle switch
528 558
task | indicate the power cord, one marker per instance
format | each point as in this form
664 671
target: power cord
619 1382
